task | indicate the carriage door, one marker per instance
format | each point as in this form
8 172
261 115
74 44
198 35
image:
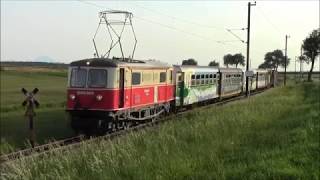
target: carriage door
121 88
179 88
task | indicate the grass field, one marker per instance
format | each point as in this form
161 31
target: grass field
274 135
50 121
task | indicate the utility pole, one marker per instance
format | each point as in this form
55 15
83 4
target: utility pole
248 46
285 62
295 68
301 67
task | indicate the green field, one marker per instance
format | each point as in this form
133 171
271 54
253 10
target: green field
50 121
274 135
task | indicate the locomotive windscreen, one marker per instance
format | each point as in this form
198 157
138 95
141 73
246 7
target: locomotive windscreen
97 78
78 77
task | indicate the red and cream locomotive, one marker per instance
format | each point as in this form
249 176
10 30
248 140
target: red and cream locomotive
104 93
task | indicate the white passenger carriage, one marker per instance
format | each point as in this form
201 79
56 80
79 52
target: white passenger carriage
231 82
263 78
196 84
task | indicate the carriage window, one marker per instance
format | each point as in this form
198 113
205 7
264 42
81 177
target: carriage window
198 76
78 77
210 76
202 79
162 77
207 79
97 78
136 78
193 81
214 76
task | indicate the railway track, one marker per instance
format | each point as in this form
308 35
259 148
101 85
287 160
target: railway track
76 141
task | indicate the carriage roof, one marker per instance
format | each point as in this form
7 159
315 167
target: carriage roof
231 70
196 68
260 70
106 62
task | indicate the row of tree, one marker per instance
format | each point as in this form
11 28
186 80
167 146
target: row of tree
229 59
311 49
193 62
276 58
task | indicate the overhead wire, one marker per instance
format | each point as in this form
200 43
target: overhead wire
169 27
229 30
269 21
179 19
222 42
93 4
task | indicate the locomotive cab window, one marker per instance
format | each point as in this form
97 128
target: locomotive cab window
162 77
97 78
78 77
136 78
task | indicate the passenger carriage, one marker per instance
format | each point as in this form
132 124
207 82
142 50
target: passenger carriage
195 84
253 85
231 82
105 90
273 77
263 78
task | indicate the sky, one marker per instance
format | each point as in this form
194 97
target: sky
169 31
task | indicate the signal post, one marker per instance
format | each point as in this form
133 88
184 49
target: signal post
30 102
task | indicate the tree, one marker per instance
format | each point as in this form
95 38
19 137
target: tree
304 58
311 47
238 59
274 59
265 65
227 60
213 63
189 61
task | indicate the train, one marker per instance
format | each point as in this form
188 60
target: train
104 94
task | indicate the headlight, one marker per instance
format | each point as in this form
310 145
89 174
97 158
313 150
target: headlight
72 96
99 97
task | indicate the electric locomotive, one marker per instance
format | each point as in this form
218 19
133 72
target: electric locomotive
104 93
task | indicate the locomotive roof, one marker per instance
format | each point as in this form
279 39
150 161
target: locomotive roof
107 62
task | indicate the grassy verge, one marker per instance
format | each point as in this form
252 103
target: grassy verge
50 122
274 135
52 87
